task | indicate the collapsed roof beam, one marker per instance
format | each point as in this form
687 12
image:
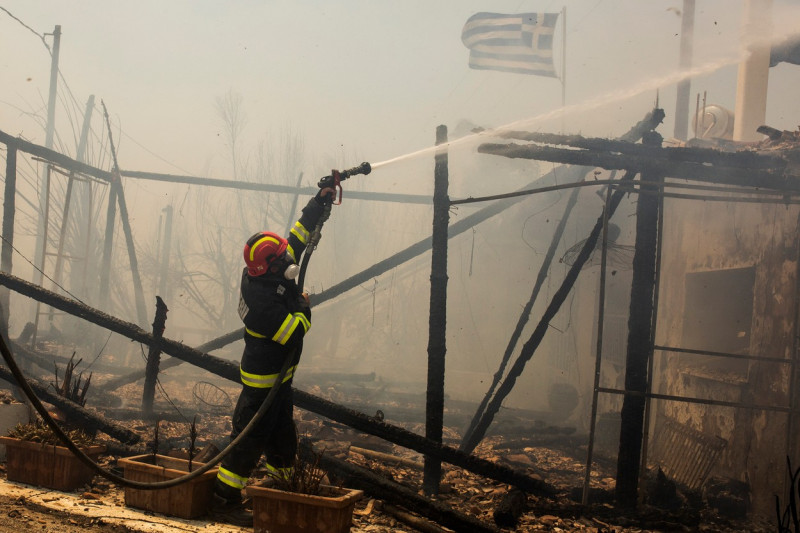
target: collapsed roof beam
68 163
230 370
748 170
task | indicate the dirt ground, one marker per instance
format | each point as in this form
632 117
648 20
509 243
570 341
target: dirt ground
17 514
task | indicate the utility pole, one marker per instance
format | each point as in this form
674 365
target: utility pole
44 192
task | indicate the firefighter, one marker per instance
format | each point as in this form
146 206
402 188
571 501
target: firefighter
276 317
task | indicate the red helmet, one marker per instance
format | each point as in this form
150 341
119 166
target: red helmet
261 249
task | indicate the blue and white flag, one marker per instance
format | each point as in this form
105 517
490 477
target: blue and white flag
521 43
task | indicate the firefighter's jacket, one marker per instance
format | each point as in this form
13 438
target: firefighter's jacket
275 316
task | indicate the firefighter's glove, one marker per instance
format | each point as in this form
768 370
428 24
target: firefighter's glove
325 196
304 300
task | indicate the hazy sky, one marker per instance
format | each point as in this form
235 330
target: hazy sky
363 80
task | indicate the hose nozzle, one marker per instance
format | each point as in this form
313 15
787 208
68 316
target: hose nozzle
337 176
363 168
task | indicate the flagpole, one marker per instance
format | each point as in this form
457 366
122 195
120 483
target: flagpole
563 64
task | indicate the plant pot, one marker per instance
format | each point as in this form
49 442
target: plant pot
277 511
45 465
187 500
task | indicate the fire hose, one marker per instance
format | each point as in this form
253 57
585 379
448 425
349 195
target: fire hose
332 181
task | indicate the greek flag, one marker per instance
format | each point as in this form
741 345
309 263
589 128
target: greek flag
521 43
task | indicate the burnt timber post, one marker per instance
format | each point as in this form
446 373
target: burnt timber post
163 284
108 246
9 208
640 329
437 343
154 357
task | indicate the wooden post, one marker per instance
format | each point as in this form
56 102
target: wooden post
116 184
437 343
640 327
87 117
108 245
154 357
9 208
138 293
163 285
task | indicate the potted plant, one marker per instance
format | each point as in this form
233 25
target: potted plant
187 500
34 456
299 502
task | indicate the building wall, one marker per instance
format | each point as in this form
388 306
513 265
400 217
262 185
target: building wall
730 241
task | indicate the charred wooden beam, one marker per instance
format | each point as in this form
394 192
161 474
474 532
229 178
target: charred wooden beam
742 159
88 419
304 400
116 183
9 209
640 344
522 321
418 523
380 487
720 174
387 458
418 443
54 157
437 318
419 199
208 362
154 357
76 166
530 347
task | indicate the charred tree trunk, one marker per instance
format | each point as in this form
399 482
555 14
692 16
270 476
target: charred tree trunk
640 328
154 358
437 326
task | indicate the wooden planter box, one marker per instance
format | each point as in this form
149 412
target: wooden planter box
45 465
187 500
277 511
